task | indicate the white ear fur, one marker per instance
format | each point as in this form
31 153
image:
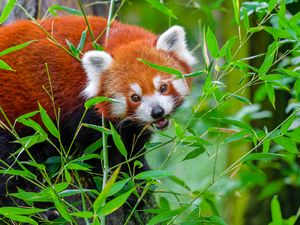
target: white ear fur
173 40
94 63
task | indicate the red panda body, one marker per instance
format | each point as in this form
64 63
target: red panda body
144 95
23 87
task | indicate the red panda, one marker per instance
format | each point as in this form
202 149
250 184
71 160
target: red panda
144 95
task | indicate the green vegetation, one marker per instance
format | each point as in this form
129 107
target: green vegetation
231 153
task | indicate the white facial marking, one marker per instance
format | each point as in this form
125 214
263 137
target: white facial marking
173 40
181 87
94 63
156 82
136 88
119 108
148 102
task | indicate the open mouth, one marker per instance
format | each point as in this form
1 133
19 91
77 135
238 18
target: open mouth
161 123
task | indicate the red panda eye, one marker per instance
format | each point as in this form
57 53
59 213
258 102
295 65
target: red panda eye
163 88
135 98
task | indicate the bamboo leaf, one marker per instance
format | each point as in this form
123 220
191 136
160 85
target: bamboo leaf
118 141
271 94
212 43
276 211
161 7
4 65
54 8
82 40
269 58
153 174
272 4
114 204
6 10
236 10
195 153
105 192
161 68
245 18
48 122
97 100
60 207
16 48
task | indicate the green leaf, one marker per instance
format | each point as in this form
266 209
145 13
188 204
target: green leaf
152 174
117 186
212 43
97 128
22 219
276 211
237 123
118 141
164 204
83 214
86 157
54 8
287 144
272 4
68 176
245 18
271 94
105 192
165 216
204 50
27 115
161 7
161 68
61 207
22 173
34 125
48 122
242 99
97 100
261 156
20 211
4 65
295 74
237 136
114 204
194 74
179 182
216 220
297 86
236 9
94 146
16 48
194 153
74 50
269 58
76 166
226 49
97 46
286 125
82 40
6 10
277 33
29 141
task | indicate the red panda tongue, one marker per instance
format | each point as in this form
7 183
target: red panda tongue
161 123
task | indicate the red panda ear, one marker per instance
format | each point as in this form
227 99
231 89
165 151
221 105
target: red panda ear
173 40
94 63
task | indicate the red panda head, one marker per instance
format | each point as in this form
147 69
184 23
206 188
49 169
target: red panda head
144 94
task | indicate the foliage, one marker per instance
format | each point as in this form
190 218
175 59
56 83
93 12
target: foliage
220 122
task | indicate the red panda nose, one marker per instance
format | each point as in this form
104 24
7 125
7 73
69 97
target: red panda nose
157 112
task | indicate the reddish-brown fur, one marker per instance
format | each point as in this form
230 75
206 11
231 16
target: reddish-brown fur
22 89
